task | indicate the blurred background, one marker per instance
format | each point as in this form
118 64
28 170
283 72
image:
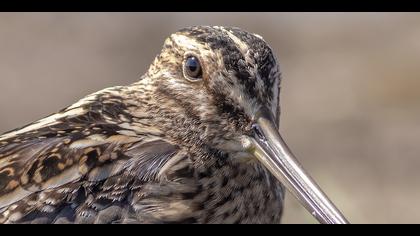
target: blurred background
350 93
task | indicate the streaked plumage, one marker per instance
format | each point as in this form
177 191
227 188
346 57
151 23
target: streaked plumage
162 150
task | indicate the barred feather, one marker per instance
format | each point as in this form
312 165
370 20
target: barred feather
162 150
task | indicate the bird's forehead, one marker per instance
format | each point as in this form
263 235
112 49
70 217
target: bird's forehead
239 49
218 38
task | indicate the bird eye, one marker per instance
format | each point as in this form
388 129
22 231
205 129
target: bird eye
192 68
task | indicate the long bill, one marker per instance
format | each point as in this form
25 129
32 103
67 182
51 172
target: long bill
270 149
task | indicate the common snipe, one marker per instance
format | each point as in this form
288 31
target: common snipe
195 140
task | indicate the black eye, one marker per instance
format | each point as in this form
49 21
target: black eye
192 68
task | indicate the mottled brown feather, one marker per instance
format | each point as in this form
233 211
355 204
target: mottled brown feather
161 150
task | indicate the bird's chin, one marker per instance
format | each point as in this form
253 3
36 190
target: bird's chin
238 149
230 145
243 157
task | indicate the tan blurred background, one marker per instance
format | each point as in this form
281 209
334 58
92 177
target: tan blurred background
350 96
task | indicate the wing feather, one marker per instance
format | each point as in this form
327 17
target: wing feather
71 159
